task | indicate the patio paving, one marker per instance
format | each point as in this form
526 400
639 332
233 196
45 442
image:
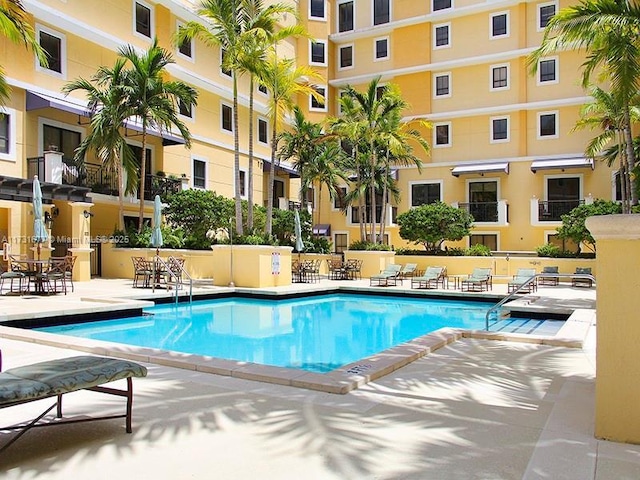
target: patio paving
474 409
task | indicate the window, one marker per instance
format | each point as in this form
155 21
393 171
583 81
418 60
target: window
442 85
545 12
380 91
310 198
441 4
185 110
339 201
199 173
346 56
381 12
186 47
547 125
345 16
340 242
442 135
65 140
278 190
490 241
500 25
565 245
441 36
425 193
617 186
263 89
499 77
499 129
54 46
226 114
263 131
316 9
318 103
547 71
224 71
317 52
381 48
563 193
5 138
143 19
243 183
483 200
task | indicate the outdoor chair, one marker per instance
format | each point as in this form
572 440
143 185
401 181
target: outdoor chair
353 269
408 271
70 261
13 278
336 269
549 280
431 278
53 280
175 271
388 277
520 279
142 271
582 281
478 281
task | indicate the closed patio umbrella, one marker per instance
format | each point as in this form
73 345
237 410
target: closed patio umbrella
156 234
298 231
39 230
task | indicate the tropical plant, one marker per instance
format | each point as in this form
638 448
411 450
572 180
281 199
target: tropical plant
608 31
478 250
365 245
106 93
548 250
434 223
153 101
15 26
573 223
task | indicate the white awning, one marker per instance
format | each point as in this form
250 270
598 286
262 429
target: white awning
561 164
480 168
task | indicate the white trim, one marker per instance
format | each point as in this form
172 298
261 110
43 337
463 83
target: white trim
189 118
353 55
11 114
435 29
340 2
63 52
500 140
324 11
266 122
435 84
507 26
375 49
194 159
324 52
55 123
556 62
312 99
152 20
556 113
435 129
179 54
433 10
491 70
222 129
539 7
411 183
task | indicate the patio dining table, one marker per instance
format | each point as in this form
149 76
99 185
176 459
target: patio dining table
33 270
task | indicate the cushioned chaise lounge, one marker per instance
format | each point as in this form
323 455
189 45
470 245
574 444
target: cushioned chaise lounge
56 377
389 276
520 279
430 279
478 281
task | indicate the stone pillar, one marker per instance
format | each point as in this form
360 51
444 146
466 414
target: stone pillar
81 239
53 166
618 337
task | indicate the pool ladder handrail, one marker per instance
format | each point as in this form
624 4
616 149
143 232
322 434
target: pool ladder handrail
173 275
527 282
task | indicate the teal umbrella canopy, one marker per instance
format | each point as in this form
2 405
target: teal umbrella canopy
40 234
298 227
156 234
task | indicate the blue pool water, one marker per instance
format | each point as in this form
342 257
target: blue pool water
316 334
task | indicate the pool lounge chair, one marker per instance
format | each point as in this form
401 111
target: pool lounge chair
549 280
431 278
408 271
388 277
519 280
478 281
582 281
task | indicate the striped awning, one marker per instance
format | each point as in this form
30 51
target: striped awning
480 168
561 164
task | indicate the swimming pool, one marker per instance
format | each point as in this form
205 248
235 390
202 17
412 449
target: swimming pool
316 334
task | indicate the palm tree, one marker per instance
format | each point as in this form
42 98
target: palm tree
15 26
107 105
608 31
285 81
154 101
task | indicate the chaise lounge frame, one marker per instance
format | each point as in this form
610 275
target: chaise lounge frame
54 378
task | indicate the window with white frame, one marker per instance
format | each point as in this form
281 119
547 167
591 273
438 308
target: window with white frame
54 45
263 131
499 129
548 125
243 183
380 90
318 104
262 89
346 56
381 12
317 52
143 19
545 12
316 9
441 35
224 71
441 5
185 49
424 193
345 16
547 70
489 240
199 174
185 110
442 135
339 201
381 48
499 77
7 133
499 25
226 117
442 85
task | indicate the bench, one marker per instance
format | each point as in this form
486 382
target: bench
56 377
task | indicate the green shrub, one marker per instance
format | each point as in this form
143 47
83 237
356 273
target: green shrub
364 245
548 250
317 245
478 250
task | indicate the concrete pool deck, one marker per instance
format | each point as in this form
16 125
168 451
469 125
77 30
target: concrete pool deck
471 409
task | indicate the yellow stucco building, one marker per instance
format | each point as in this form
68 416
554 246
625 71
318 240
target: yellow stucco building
502 144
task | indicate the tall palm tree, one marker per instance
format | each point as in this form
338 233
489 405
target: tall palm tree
285 81
154 101
608 31
15 26
107 105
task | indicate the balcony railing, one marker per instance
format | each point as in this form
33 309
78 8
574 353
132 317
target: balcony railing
392 213
552 210
481 211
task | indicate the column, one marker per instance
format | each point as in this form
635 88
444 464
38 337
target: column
81 239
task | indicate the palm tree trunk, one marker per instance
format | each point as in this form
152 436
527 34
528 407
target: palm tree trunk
250 169
143 174
272 172
373 194
383 215
120 194
631 160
